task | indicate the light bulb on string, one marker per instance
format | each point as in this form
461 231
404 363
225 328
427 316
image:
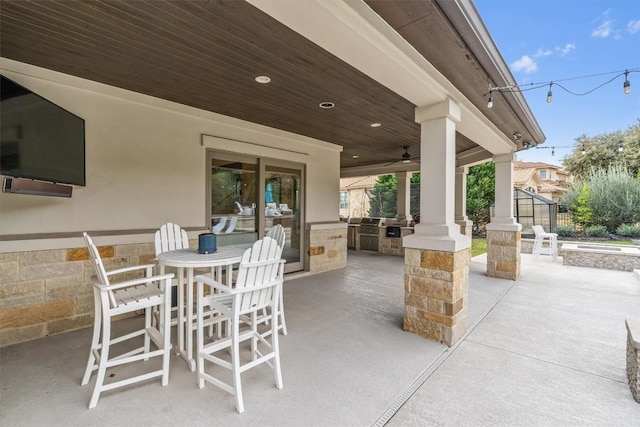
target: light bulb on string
490 103
626 86
550 94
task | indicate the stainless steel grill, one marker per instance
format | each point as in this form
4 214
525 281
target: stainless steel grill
369 233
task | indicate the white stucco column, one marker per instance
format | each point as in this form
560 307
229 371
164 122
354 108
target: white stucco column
436 256
503 232
437 229
503 210
461 201
403 199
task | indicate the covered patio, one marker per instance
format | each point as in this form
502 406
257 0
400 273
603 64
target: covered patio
548 349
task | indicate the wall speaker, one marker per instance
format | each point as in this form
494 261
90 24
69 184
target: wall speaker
36 188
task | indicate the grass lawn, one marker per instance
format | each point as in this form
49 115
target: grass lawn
478 246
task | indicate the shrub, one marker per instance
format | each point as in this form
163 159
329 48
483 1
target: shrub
606 197
596 231
565 230
628 230
614 198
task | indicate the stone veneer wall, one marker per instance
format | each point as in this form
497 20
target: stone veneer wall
49 292
436 294
392 245
633 358
327 247
623 261
503 254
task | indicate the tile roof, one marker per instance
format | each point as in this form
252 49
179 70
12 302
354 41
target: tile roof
359 182
522 176
536 165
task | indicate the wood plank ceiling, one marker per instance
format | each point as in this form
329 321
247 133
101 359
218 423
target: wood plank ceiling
206 54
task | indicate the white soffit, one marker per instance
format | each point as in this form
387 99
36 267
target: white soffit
353 32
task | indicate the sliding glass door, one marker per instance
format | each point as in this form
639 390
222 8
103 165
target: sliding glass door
283 205
247 196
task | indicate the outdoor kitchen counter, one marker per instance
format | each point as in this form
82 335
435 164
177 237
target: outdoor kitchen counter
393 245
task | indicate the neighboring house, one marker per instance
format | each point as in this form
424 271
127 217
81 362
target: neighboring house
546 180
354 200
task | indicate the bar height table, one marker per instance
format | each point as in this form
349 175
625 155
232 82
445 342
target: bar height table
189 259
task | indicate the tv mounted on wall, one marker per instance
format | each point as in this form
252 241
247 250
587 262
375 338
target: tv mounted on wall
39 140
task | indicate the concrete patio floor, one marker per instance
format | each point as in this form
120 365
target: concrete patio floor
548 349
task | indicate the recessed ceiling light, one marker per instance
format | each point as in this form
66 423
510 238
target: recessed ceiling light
327 104
263 79
356 156
376 125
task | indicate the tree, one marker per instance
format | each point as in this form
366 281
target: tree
384 197
582 212
603 152
481 189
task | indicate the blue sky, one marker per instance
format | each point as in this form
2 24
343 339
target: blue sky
560 40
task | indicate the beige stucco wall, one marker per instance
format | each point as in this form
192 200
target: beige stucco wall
145 163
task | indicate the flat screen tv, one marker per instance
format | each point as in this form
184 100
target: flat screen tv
39 140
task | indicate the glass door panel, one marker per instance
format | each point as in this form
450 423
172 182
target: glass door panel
247 196
233 198
283 205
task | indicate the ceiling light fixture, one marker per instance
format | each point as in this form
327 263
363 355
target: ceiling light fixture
627 84
376 125
263 79
517 136
355 156
326 104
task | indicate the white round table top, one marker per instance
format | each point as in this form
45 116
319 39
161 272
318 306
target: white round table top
190 258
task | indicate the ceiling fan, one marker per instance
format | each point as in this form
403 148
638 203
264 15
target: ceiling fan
406 157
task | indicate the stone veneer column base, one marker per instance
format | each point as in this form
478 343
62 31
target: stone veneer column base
436 294
503 253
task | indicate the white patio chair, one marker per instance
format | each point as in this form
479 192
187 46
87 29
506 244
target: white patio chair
278 234
232 224
171 237
538 245
256 287
220 225
113 299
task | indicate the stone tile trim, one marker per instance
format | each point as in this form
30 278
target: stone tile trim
436 294
633 357
503 254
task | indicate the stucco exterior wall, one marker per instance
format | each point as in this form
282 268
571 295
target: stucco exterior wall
146 162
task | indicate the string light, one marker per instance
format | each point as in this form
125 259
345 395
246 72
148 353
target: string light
532 86
626 86
620 147
553 148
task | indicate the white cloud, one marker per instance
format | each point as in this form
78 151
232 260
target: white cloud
633 27
566 49
525 64
604 30
541 53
